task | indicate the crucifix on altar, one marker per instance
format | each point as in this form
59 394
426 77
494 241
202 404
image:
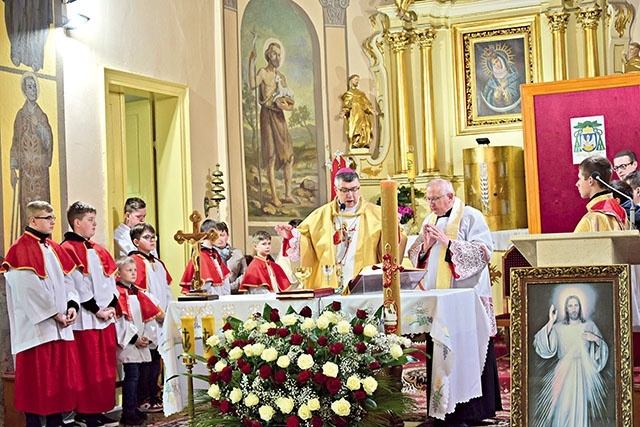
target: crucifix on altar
194 239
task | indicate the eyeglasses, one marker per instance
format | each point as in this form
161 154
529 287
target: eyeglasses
622 166
149 238
435 199
49 218
348 190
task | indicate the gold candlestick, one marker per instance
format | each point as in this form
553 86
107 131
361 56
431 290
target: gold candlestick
391 284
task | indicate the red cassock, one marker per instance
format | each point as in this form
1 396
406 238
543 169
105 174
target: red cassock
257 275
209 272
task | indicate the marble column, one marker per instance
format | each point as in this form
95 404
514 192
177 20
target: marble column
424 38
399 41
558 22
588 19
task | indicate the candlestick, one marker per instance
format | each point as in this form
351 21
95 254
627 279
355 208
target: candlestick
208 329
389 204
188 334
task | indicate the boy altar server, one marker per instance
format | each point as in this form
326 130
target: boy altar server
263 275
42 304
94 330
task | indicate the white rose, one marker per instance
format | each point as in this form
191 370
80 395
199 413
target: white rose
353 383
304 412
257 349
370 330
251 400
236 395
213 341
313 404
308 323
214 391
250 324
266 326
266 412
341 407
283 361
229 335
235 353
289 319
269 355
220 365
369 384
343 327
330 369
305 361
248 350
285 404
396 351
333 317
323 322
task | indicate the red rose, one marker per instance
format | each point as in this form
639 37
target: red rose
320 378
238 343
225 405
223 353
283 332
311 351
296 339
339 421
212 361
316 421
271 331
293 421
359 395
225 374
246 368
215 403
241 362
336 306
256 423
280 377
213 377
322 341
246 422
306 311
333 385
361 347
336 348
265 371
304 377
274 316
361 314
374 365
358 329
227 326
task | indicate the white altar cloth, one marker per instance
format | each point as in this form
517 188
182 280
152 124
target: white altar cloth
455 319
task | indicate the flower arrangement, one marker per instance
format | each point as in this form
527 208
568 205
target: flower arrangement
404 202
293 370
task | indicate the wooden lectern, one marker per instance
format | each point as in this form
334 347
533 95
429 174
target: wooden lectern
580 249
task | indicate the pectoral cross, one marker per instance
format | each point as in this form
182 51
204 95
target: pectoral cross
194 239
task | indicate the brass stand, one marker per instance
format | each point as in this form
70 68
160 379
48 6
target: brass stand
189 362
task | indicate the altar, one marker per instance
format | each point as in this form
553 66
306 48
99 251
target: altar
455 318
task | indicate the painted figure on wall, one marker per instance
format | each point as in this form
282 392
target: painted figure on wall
501 93
27 24
574 392
274 97
31 149
357 112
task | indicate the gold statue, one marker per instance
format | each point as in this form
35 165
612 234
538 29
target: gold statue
631 63
357 112
403 8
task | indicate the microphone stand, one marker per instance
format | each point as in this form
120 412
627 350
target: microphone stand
632 209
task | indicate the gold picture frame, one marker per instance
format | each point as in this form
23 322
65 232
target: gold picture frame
492 60
592 309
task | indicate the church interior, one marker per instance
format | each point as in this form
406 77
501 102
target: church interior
163 100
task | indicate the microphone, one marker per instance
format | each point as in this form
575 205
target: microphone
342 206
632 210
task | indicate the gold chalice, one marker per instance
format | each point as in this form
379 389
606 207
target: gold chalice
303 274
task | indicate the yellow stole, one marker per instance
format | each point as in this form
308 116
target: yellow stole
443 278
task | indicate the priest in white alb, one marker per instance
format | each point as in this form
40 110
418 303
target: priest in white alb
454 245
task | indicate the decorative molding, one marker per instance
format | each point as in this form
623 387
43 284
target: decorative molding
424 37
335 12
231 4
589 18
558 21
622 16
398 40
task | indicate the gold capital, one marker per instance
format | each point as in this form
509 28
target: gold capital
589 18
424 37
398 40
558 21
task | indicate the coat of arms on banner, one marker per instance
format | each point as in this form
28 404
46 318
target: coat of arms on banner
588 137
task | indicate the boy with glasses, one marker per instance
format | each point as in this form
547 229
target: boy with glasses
624 163
42 304
152 277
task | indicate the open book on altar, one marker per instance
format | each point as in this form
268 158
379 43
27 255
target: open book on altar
305 293
369 279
